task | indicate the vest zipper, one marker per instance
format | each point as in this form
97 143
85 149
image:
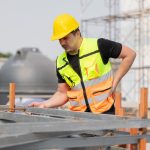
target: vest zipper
84 89
82 84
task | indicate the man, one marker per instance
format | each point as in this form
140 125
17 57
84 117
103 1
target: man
84 72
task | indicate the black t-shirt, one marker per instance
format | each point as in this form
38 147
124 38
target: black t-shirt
108 49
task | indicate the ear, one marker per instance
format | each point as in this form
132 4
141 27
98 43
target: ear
78 33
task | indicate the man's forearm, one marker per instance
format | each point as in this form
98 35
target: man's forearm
58 99
123 69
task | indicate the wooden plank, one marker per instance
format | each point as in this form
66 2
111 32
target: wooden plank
142 144
133 132
143 107
119 111
12 88
117 103
143 113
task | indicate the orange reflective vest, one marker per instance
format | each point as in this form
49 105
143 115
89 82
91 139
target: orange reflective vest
92 89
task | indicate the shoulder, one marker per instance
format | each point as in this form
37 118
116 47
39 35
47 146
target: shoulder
59 60
90 39
101 41
89 43
61 55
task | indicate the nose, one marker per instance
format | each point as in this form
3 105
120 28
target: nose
62 41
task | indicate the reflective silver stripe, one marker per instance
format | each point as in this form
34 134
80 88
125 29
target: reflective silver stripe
94 81
83 102
96 98
74 103
89 101
77 87
98 80
101 97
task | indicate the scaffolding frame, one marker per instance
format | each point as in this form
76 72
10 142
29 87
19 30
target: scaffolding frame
140 31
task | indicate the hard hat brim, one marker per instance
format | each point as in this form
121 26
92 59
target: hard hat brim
53 38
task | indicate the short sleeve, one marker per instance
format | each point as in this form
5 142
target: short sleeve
59 77
109 49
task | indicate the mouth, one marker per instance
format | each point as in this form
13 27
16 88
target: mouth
66 48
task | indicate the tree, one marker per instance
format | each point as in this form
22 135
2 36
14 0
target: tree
5 55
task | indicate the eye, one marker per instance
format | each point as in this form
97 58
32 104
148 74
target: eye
65 38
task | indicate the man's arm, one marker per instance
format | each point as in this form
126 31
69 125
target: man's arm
127 55
58 99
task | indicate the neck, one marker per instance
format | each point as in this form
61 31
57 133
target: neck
78 46
73 52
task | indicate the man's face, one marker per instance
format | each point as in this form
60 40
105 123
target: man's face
69 42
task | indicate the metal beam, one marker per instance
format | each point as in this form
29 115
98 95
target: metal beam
72 126
64 114
26 117
127 15
60 113
73 115
36 141
37 128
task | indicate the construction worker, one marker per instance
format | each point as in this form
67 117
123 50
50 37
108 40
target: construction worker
84 71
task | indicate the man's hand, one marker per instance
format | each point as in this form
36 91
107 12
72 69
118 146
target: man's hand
37 104
112 92
58 99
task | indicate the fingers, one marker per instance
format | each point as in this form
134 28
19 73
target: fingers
34 104
37 104
41 106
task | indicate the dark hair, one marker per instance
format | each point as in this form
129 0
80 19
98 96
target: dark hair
75 31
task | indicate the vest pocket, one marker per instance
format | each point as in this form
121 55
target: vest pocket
68 80
73 98
99 97
92 70
76 100
96 91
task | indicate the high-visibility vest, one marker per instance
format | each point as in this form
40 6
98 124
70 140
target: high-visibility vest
92 89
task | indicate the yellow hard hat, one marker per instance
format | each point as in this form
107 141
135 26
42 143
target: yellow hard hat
63 25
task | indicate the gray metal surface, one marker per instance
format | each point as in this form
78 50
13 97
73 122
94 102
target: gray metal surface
71 126
39 141
37 128
26 117
71 114
64 114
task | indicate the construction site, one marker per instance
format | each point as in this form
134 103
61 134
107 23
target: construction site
25 79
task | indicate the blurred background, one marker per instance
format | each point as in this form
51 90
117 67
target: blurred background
26 27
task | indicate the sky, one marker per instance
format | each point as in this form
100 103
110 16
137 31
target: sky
28 23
